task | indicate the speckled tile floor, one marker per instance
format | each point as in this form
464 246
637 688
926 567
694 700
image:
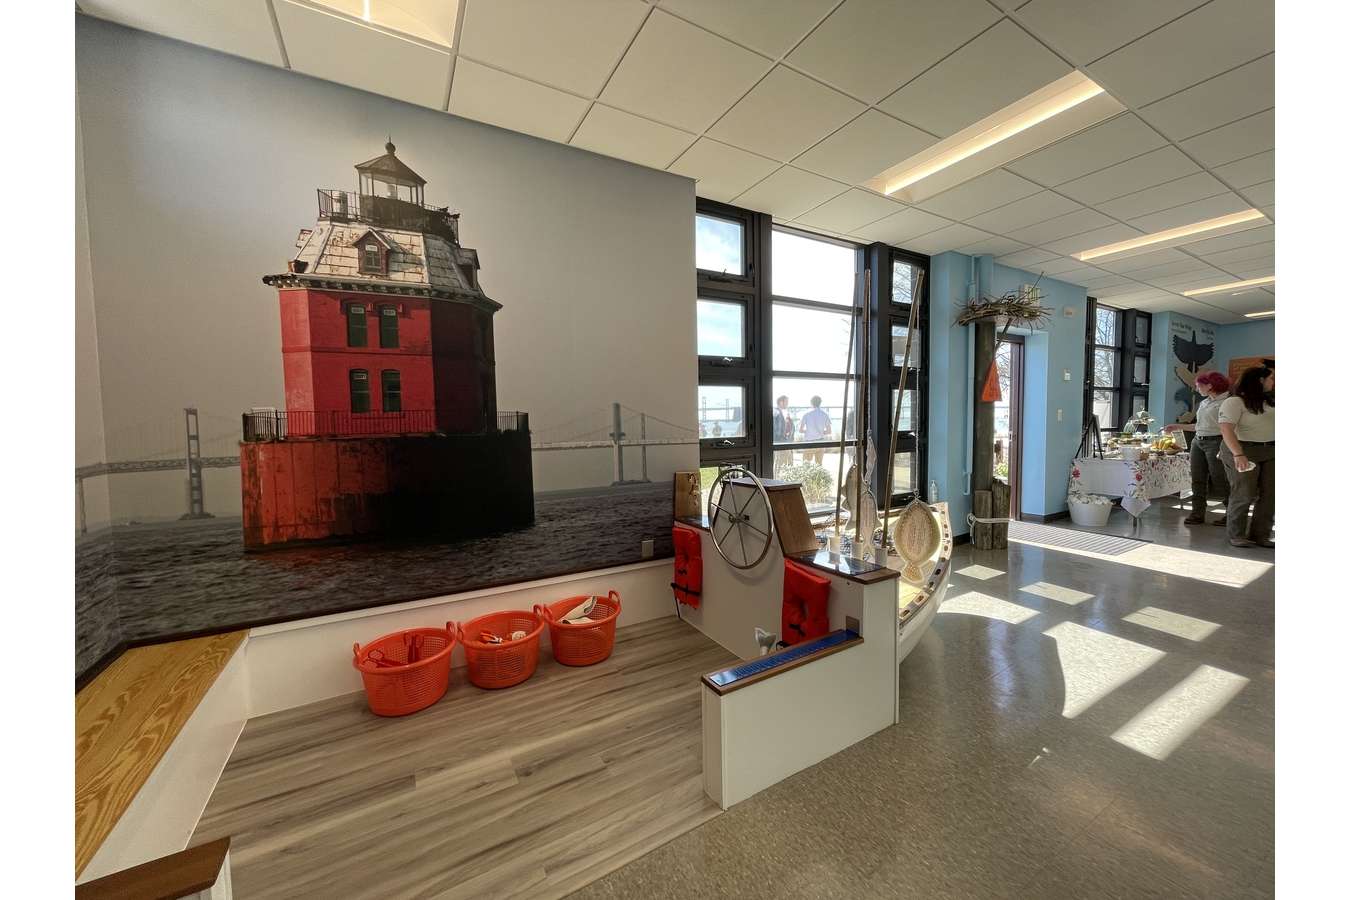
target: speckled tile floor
1161 784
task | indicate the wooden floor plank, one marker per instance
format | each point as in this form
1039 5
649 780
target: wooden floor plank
531 791
125 721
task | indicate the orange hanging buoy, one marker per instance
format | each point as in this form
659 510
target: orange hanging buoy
991 392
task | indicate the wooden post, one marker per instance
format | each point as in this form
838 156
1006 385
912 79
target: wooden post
1002 495
982 473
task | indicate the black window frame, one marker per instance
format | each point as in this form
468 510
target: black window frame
754 371
391 387
1127 349
364 265
357 377
358 331
388 316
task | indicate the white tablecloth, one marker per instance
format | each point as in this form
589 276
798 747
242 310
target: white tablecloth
1135 483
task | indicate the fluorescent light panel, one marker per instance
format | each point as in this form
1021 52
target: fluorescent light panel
427 21
1171 234
1230 287
1261 315
1060 96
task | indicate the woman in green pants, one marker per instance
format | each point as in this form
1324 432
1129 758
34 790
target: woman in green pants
1208 478
1247 421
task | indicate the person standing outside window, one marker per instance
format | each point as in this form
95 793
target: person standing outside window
1208 476
1247 422
816 426
782 421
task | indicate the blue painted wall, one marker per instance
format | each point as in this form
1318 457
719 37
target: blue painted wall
1255 338
1048 441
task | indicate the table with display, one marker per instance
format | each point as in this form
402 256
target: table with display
1136 482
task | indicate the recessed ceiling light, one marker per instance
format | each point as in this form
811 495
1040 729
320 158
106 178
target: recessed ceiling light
1060 96
427 21
1171 234
1230 287
1261 315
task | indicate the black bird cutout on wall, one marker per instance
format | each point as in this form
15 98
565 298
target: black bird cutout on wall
1192 355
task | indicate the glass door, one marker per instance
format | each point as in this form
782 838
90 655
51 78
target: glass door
1008 420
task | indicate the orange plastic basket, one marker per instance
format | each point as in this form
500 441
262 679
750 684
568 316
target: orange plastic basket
510 662
407 670
582 643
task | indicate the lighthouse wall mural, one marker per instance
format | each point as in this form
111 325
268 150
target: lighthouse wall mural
338 351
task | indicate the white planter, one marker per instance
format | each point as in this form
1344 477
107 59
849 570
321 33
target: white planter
1089 515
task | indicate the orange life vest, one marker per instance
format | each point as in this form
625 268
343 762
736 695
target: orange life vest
688 583
806 598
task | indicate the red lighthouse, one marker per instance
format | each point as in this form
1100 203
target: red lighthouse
387 349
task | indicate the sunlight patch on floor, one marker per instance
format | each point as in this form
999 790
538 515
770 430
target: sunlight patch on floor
973 603
1056 592
1188 627
983 573
1229 571
1095 663
1165 723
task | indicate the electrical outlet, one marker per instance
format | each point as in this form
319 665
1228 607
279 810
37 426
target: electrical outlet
648 548
1067 376
1059 415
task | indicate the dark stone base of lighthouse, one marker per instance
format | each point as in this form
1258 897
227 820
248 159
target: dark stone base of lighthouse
350 488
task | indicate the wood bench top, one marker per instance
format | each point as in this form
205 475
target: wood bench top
125 721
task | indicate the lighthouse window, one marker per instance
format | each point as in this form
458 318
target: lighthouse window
391 391
371 260
356 325
388 326
360 389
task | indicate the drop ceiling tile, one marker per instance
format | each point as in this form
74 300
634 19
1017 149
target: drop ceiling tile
1250 302
851 209
1164 196
1205 311
1236 140
770 26
871 47
1064 226
225 25
1029 259
1025 212
903 226
1190 213
982 193
509 102
1253 268
864 148
1139 260
945 239
999 67
656 78
1168 270
1247 238
789 192
1246 172
1061 266
614 132
1095 238
1104 280
573 46
784 114
1155 167
1085 30
1261 195
1193 279
1075 275
1225 98
722 171
1205 42
350 53
1238 255
1121 138
993 246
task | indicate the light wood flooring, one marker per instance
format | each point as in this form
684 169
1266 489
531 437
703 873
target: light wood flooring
531 791
125 720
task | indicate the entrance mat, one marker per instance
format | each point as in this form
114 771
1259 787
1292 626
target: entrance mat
1087 541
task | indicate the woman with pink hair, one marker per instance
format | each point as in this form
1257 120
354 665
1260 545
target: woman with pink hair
1208 478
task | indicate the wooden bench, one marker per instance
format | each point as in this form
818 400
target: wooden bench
125 721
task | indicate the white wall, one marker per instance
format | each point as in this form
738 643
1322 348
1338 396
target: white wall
88 384
200 169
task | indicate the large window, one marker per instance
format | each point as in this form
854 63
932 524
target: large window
1118 355
774 391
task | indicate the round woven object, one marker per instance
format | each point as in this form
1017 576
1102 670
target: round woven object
917 537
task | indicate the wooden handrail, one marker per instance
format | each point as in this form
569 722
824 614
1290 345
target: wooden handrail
181 874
